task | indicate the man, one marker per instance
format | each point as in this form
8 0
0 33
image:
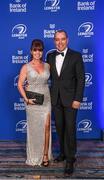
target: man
67 75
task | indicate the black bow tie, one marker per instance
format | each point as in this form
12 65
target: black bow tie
58 53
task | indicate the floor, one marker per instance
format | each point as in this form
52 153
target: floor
89 164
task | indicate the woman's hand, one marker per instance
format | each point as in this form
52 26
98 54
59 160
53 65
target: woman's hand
30 101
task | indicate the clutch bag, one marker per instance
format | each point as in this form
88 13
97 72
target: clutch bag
39 98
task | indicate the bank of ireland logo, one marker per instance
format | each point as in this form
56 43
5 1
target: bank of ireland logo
21 126
17 7
52 5
85 126
86 5
86 29
88 79
19 31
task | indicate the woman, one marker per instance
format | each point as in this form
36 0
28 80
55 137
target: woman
36 73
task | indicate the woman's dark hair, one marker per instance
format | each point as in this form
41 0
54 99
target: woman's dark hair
37 44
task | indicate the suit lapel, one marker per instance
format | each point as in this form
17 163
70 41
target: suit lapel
54 63
66 60
65 63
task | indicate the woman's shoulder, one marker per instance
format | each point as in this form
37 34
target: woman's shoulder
25 66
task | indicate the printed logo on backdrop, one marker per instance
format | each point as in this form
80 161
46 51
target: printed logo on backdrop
52 5
86 5
84 126
86 29
19 57
51 50
19 106
49 33
16 81
87 57
53 127
17 1
18 7
21 126
19 31
88 79
86 105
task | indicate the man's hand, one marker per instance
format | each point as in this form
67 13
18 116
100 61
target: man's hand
76 104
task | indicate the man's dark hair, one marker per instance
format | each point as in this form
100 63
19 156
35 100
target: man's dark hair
60 31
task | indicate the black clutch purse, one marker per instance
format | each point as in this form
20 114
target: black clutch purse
39 98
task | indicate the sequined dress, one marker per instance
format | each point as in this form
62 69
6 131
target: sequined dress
37 115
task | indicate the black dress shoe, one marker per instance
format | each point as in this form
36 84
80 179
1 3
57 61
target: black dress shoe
68 169
60 158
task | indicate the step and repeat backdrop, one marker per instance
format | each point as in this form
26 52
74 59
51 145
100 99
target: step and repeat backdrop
24 20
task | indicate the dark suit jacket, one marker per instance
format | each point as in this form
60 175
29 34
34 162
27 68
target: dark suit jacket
70 83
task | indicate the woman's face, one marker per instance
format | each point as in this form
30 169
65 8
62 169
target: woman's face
37 54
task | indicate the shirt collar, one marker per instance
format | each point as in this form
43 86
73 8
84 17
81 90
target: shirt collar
65 50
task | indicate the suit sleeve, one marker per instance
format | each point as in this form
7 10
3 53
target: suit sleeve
47 59
80 78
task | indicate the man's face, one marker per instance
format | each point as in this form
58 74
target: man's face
61 41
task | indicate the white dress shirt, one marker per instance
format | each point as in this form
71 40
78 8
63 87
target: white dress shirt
59 61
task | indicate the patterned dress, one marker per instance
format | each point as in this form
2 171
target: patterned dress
37 115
